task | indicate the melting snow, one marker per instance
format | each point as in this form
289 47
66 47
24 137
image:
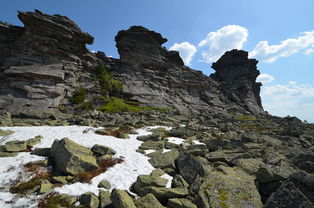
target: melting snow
121 176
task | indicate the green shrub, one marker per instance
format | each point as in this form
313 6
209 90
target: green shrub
79 95
116 105
107 82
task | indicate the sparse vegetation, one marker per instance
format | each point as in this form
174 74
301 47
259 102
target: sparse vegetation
117 105
107 82
79 96
103 166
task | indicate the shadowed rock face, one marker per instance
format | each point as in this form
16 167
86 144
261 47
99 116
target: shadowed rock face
237 75
40 63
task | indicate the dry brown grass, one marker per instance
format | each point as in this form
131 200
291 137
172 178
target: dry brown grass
103 166
39 169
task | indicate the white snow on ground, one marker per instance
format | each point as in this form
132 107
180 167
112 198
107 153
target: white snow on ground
175 140
121 176
169 178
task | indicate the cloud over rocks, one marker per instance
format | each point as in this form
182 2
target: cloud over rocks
217 43
290 99
265 78
270 53
186 51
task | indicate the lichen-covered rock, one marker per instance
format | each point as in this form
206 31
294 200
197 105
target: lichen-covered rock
101 150
163 194
179 182
164 160
288 196
8 154
190 167
104 199
45 187
155 145
148 201
5 132
15 146
228 187
121 199
104 184
149 180
33 141
89 199
71 158
180 203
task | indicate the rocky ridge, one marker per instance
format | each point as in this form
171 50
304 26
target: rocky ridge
46 61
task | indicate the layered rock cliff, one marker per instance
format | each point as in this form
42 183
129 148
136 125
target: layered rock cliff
44 62
40 63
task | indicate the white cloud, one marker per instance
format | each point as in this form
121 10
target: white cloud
186 51
265 78
270 53
226 38
292 99
309 51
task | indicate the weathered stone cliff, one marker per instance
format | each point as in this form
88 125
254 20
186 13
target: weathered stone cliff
44 62
40 63
157 77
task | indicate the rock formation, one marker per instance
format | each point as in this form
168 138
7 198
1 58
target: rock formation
157 77
40 63
44 62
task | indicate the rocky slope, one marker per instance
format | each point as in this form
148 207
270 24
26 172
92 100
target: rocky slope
250 158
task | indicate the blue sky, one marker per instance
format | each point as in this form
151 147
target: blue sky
278 33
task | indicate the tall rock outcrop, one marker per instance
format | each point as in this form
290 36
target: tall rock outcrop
237 75
40 63
157 77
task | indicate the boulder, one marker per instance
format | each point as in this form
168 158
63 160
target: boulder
180 203
101 150
163 194
149 180
104 184
228 187
33 141
15 146
179 182
121 199
8 154
148 201
190 167
71 158
41 152
6 132
164 160
288 196
104 199
45 187
89 199
155 145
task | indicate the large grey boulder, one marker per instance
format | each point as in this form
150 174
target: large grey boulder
164 160
121 199
71 158
288 196
89 199
228 187
148 201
